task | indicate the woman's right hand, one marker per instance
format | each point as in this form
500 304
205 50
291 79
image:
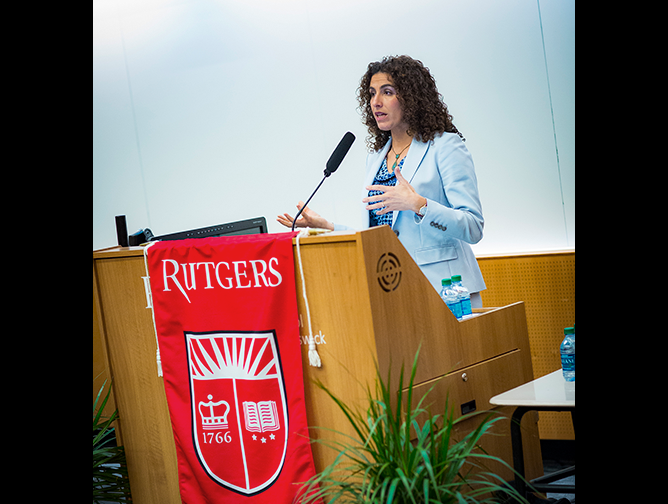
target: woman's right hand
308 218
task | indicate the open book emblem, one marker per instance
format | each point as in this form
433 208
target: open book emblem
261 416
239 409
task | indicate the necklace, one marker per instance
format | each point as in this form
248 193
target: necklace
396 156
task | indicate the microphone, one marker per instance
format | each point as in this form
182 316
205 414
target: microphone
332 165
339 153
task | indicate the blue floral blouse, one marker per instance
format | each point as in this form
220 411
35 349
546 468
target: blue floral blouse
383 177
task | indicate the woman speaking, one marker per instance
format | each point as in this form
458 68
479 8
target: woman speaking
420 178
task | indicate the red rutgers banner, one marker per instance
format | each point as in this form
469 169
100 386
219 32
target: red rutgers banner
226 317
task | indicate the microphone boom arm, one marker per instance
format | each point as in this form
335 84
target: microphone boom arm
294 223
332 165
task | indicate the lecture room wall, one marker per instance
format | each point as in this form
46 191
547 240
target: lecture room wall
207 111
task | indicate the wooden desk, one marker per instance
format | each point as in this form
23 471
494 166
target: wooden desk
359 321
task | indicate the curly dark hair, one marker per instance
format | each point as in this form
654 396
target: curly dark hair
421 103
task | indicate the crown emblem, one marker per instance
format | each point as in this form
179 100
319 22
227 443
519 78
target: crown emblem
217 414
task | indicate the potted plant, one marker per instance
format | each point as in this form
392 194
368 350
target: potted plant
110 474
394 458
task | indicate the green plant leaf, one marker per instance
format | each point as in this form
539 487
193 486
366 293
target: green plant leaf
404 454
110 475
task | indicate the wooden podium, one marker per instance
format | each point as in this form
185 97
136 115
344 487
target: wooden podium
369 302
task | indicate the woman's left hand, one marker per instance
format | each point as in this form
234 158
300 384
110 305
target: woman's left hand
399 197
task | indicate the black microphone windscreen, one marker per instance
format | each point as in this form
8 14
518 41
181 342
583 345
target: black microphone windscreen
339 153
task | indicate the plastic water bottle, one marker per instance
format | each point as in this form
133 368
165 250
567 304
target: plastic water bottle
567 349
451 298
464 296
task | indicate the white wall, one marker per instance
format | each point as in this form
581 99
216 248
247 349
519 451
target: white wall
210 111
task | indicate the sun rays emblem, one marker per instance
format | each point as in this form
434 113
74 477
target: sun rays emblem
239 408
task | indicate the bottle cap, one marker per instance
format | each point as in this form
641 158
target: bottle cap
446 281
456 278
569 330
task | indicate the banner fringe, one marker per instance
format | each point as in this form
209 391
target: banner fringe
313 356
158 361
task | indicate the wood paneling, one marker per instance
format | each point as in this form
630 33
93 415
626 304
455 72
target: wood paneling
140 395
546 283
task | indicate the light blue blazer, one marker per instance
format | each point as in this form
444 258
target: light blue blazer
442 171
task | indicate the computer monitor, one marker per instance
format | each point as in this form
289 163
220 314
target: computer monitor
250 226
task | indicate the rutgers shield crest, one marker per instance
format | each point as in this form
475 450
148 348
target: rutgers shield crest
239 410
